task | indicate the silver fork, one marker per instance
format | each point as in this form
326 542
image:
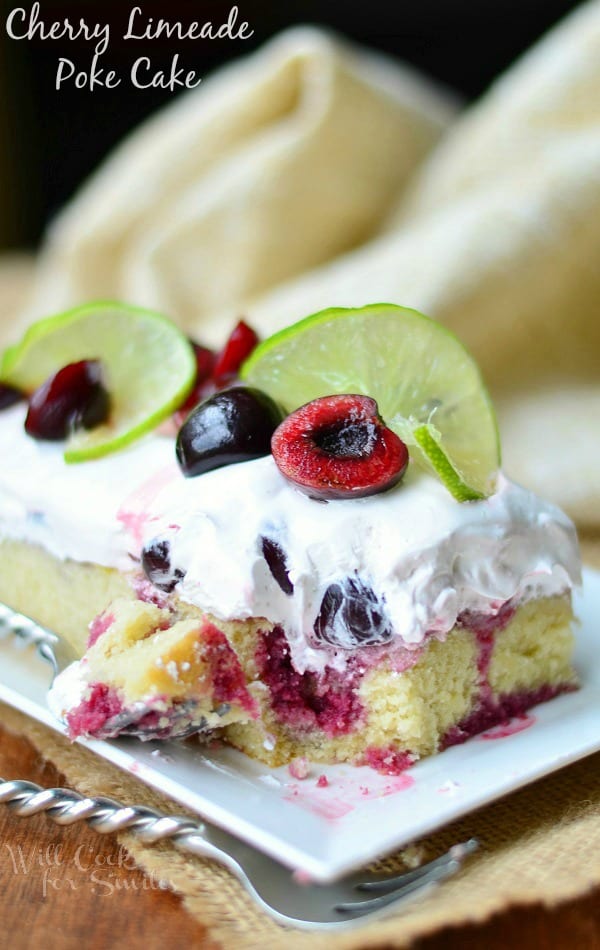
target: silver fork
57 651
276 889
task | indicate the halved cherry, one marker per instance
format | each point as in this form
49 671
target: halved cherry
339 447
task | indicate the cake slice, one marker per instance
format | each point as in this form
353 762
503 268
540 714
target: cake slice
322 601
152 673
459 638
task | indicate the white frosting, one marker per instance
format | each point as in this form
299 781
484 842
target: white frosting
425 556
68 690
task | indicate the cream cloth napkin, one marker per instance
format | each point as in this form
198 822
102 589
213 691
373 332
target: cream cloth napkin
296 180
278 163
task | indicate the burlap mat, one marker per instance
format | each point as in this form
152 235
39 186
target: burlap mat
539 845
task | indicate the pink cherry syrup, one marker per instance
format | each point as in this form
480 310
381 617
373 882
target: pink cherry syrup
100 705
98 626
505 729
306 701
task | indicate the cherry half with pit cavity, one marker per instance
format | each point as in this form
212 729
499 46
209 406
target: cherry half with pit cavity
72 398
339 447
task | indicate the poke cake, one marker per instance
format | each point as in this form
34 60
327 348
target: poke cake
305 547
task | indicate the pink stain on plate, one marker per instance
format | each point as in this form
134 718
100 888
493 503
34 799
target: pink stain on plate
302 877
338 796
518 724
398 784
299 768
329 808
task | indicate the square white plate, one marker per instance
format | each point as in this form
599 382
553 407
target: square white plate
359 815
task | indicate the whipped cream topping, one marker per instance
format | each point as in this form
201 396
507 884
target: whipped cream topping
418 557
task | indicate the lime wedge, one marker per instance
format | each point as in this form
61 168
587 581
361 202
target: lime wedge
149 368
427 386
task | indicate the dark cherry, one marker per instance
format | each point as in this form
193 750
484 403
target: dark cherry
339 447
215 384
232 426
9 396
351 615
72 398
156 563
218 371
275 557
205 363
239 346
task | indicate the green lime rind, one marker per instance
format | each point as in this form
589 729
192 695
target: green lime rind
148 363
420 374
441 465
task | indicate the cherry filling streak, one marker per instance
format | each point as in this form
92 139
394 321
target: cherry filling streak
485 629
98 626
307 701
227 676
492 711
329 702
90 716
388 761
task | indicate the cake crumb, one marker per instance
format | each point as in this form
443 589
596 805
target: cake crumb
449 787
270 780
299 768
172 670
302 877
413 856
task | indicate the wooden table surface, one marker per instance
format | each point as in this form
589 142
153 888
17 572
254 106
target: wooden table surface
70 888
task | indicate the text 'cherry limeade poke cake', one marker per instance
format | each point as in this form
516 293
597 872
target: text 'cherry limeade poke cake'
305 547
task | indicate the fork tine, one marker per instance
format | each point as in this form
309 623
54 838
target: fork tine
457 852
421 879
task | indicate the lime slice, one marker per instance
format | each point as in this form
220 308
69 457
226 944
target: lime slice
149 367
427 386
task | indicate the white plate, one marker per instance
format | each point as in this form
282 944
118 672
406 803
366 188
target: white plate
359 815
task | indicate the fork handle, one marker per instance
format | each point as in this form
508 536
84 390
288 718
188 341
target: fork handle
104 815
